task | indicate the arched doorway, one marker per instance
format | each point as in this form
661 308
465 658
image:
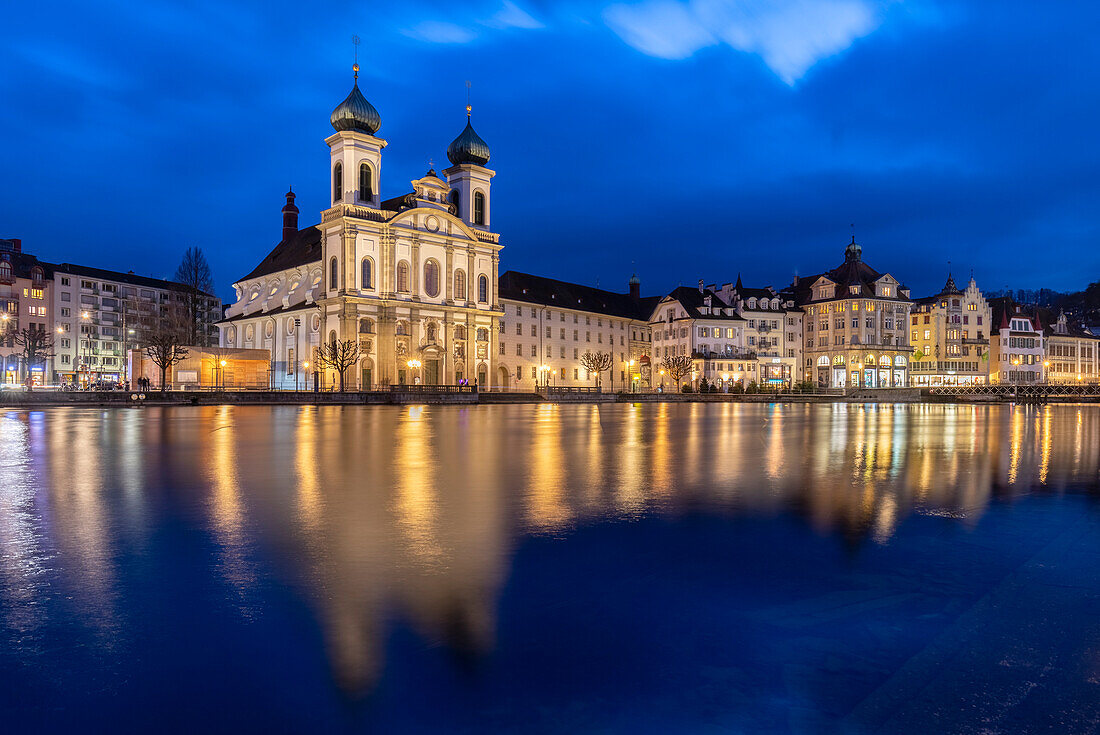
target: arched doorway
482 376
502 377
366 374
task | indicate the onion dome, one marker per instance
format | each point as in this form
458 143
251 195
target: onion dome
355 113
468 147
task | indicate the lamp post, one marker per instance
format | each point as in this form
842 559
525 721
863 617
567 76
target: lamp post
662 374
305 367
221 374
4 318
84 343
297 348
414 365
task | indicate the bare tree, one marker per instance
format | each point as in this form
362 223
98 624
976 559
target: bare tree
596 362
37 347
165 347
194 272
677 366
340 355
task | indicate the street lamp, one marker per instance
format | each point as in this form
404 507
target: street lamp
662 374
414 365
222 373
545 370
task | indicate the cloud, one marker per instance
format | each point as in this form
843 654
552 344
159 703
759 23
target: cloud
437 31
512 16
789 35
463 30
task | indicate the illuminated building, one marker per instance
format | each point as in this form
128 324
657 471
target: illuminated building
412 278
547 325
1071 353
1016 346
24 304
949 333
854 325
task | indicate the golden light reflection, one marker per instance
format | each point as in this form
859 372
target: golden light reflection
384 514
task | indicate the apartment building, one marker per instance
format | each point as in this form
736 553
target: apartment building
100 315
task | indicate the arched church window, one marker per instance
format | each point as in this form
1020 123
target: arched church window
431 278
453 199
460 285
366 187
483 289
402 328
333 273
460 332
482 334
367 274
479 208
403 277
5 270
337 182
366 326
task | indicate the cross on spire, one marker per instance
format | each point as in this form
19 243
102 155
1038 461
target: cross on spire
355 66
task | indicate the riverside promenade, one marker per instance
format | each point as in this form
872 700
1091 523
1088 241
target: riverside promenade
466 395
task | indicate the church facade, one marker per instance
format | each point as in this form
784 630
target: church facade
413 279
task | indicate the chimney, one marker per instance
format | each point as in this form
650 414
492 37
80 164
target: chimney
17 244
700 285
290 217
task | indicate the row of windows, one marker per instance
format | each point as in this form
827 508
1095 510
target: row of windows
366 190
431 279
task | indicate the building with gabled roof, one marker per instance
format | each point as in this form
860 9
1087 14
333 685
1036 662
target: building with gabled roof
1016 344
949 332
1071 353
855 325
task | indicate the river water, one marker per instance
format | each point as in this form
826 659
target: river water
550 569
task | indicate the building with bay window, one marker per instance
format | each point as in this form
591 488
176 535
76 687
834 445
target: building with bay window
855 325
949 333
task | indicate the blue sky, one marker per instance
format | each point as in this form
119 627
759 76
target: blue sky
685 139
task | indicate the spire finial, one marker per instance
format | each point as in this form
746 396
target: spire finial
355 66
469 109
853 226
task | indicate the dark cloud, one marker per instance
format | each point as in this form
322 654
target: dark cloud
961 132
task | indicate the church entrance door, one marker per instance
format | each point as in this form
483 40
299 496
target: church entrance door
431 372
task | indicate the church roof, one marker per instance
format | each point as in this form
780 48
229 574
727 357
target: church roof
516 286
355 113
468 147
301 248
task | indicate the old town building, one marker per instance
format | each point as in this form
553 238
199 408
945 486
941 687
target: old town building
949 333
855 325
1016 346
411 278
25 296
547 325
1071 353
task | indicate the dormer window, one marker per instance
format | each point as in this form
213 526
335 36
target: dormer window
886 291
854 290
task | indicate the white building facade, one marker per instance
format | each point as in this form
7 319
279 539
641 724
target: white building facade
413 279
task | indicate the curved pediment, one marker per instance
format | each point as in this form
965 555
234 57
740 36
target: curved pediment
456 226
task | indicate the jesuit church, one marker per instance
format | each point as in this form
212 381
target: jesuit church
412 278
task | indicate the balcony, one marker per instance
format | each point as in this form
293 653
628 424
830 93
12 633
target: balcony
696 355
